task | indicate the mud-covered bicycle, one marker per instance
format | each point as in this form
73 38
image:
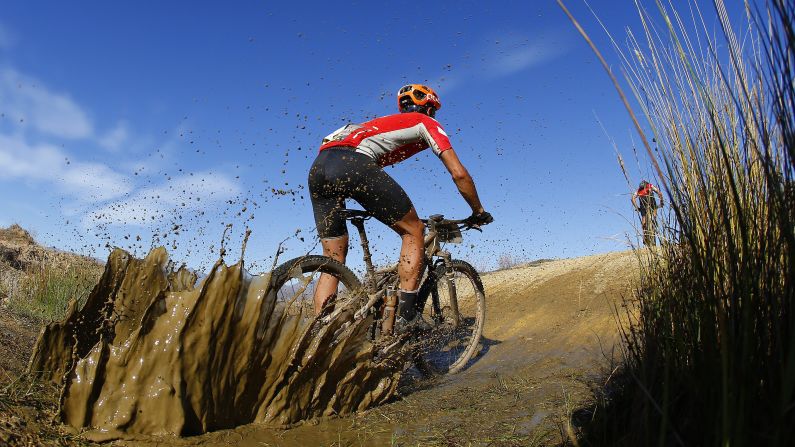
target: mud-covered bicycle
650 227
453 317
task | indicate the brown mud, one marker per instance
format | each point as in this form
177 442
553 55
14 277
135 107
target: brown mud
153 353
550 332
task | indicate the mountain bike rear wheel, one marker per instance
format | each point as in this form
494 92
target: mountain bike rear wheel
455 337
294 282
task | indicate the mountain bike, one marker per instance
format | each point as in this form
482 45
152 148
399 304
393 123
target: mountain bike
649 224
451 298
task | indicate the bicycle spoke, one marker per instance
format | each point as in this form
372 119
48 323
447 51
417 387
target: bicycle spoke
454 335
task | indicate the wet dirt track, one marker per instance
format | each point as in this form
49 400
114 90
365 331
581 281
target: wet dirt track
550 328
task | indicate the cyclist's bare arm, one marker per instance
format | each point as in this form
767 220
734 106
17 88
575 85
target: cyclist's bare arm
462 179
634 200
659 194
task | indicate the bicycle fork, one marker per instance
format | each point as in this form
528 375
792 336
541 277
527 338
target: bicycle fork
389 312
449 281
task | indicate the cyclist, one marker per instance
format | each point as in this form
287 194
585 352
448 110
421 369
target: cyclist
643 200
349 165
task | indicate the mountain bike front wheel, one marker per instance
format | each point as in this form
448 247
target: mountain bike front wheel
456 312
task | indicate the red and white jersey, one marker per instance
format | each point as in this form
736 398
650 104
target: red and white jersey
391 138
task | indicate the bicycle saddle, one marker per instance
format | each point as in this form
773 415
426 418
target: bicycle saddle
352 214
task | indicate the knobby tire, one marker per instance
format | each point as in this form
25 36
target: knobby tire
314 264
470 330
469 333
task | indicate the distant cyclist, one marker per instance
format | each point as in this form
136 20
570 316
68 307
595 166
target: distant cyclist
644 201
350 164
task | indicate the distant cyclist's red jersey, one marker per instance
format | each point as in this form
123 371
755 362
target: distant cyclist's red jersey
392 138
646 191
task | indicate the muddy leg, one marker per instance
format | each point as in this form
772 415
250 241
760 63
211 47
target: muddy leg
335 248
411 231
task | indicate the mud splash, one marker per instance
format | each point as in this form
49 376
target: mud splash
153 353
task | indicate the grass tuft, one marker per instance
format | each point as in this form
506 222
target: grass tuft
44 292
710 349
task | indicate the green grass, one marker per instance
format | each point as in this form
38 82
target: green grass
44 292
710 350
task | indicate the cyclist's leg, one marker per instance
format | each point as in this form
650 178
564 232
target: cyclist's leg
653 226
328 199
381 195
337 249
643 224
411 231
390 204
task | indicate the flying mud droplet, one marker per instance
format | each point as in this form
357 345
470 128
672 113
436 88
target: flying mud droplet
154 353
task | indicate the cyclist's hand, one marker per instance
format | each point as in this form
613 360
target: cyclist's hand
479 219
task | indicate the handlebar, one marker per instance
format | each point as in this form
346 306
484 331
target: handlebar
459 224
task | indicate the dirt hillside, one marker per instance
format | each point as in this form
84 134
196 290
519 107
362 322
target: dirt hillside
550 331
23 262
22 257
28 272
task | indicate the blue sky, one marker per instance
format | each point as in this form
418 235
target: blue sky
145 123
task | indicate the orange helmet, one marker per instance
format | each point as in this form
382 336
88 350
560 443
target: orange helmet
418 98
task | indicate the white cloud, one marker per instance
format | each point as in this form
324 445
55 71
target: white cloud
19 160
37 121
522 58
45 163
114 139
31 105
503 55
94 181
512 53
150 205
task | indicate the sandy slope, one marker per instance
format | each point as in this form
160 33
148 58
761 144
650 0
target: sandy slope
550 328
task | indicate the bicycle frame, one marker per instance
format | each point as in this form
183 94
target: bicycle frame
431 243
433 249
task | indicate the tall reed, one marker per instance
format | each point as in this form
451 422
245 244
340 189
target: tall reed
710 351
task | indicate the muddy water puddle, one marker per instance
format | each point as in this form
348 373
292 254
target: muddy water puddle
541 350
153 352
521 408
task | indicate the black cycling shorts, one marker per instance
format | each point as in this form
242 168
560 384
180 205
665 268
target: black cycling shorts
339 173
647 204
